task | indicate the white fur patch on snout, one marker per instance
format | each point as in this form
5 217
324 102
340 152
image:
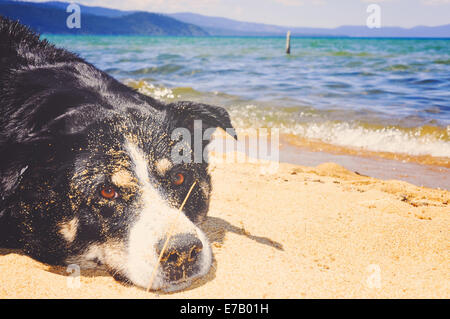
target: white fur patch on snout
155 219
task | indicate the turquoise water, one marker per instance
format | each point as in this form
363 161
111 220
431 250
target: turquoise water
386 95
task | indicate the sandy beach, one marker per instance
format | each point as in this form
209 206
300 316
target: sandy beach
337 117
303 232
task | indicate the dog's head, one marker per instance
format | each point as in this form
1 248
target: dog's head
114 198
94 173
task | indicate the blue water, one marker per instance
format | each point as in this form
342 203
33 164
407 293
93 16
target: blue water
390 95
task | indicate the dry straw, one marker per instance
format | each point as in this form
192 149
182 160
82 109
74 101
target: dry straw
168 236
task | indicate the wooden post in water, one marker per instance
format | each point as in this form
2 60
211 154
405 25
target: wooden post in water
288 42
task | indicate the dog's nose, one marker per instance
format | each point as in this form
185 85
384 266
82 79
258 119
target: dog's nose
179 260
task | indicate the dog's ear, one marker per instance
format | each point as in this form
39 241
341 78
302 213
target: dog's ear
183 114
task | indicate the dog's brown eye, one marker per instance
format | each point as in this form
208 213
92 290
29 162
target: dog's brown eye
109 192
178 179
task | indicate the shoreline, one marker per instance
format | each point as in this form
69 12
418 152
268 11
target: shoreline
303 232
392 167
319 146
432 176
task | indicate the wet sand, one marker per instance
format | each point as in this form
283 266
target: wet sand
425 171
433 176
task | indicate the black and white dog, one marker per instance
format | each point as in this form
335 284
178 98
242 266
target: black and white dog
86 169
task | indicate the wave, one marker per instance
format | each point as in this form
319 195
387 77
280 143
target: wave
445 62
157 92
305 122
164 69
397 67
387 139
349 54
425 140
165 93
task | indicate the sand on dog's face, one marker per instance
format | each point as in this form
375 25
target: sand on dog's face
303 232
140 208
116 198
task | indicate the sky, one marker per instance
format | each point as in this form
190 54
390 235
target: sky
297 13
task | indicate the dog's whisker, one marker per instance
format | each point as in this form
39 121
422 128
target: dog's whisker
168 235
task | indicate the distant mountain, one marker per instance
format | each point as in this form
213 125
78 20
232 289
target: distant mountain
415 32
98 11
51 18
227 27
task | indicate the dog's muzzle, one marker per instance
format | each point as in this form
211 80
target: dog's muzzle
180 259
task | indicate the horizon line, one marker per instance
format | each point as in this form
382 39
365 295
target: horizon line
242 21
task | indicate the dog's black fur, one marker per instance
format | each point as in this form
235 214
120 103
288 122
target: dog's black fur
63 123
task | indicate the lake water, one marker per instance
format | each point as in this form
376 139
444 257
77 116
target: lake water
380 96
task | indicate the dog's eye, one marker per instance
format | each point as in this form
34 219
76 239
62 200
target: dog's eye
109 192
178 179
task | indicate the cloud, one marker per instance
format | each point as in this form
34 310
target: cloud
435 2
377 1
297 3
425 2
293 3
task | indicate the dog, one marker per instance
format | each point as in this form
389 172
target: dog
87 175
